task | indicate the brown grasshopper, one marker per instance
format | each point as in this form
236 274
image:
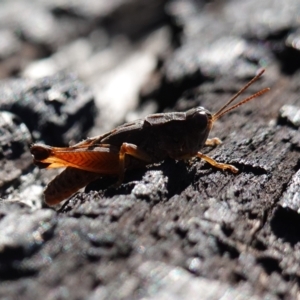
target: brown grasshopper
178 135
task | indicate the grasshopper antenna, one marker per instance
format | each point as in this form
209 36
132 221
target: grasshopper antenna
225 110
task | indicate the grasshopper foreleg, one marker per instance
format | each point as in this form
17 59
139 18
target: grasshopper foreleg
213 142
217 164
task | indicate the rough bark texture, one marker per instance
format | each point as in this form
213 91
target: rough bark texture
175 230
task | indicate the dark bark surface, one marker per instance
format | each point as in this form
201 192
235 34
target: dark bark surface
174 230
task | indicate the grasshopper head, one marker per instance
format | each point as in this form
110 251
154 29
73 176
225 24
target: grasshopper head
201 121
201 118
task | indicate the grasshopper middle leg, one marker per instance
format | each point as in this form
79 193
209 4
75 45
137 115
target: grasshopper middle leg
132 150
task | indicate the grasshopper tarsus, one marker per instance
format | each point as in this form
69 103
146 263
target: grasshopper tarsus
178 135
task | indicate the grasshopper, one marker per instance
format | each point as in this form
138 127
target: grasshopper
178 135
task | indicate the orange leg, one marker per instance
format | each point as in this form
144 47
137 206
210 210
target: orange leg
132 150
67 183
103 159
213 142
216 164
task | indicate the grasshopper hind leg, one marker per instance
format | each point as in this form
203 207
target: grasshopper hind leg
67 183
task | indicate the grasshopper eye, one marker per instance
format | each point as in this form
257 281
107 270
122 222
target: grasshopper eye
199 116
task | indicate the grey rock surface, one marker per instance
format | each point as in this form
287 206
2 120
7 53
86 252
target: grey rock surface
176 229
